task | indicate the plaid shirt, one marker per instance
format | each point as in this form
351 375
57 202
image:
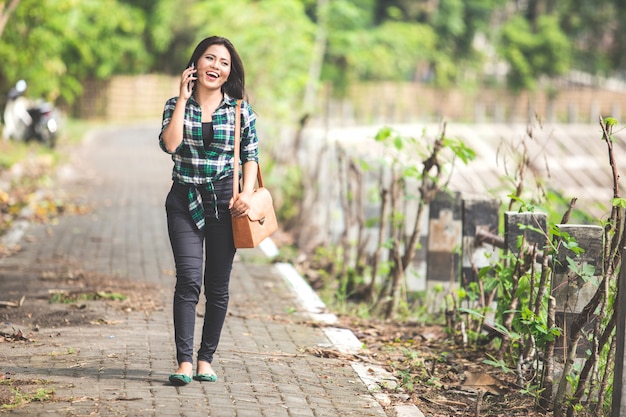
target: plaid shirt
199 167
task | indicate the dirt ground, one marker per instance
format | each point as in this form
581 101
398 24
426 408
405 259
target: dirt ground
441 378
57 293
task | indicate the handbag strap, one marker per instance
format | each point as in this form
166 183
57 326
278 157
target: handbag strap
237 156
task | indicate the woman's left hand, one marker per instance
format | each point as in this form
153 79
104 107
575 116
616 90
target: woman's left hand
241 206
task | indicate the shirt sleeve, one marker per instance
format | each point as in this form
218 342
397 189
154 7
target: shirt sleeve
168 110
249 138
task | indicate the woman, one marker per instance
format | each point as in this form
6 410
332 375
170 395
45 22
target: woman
198 131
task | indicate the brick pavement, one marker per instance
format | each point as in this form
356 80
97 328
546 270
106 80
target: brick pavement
264 362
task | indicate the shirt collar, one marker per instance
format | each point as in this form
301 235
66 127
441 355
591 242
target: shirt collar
231 101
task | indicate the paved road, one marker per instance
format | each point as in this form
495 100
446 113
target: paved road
265 362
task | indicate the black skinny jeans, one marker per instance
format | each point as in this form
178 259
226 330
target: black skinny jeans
187 245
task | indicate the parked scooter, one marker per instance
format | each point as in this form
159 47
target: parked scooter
29 120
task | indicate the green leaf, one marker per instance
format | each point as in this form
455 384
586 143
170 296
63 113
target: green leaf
383 134
398 143
618 202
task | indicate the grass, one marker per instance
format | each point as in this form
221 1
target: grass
13 152
72 132
68 351
68 298
17 393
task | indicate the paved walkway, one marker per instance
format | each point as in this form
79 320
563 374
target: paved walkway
265 363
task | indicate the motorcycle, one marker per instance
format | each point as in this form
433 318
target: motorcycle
27 120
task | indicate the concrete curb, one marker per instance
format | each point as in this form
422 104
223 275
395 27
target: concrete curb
345 341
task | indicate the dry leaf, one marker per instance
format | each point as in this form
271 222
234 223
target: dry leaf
482 381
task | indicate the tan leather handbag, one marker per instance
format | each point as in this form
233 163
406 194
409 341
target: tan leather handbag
260 223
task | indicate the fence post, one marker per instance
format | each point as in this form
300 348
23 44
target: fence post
618 406
444 244
572 113
478 215
479 112
572 292
594 112
512 229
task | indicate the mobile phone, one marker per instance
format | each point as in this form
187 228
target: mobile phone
189 83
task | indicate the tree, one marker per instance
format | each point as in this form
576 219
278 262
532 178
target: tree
592 31
455 25
360 49
616 28
275 41
56 44
167 34
534 53
5 12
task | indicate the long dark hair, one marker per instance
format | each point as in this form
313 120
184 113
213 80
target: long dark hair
235 86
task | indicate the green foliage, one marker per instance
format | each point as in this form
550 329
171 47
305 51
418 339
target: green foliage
611 121
618 202
291 192
276 52
26 392
13 152
533 52
389 52
65 298
459 149
526 324
453 58
399 164
366 40
404 150
497 363
586 24
360 50
56 44
565 240
163 18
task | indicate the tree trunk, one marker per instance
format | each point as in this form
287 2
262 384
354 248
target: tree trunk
315 71
5 12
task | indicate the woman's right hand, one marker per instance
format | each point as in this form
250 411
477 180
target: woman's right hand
187 82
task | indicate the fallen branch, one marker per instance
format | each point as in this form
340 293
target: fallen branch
13 303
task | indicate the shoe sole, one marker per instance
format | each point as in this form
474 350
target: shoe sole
205 377
179 380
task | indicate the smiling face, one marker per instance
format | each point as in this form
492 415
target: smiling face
213 67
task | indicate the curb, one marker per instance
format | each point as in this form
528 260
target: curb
344 340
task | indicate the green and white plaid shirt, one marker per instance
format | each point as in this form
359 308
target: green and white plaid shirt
199 167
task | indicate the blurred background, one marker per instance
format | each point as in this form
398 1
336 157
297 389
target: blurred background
327 61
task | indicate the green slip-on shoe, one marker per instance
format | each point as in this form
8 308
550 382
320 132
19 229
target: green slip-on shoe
179 379
205 377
